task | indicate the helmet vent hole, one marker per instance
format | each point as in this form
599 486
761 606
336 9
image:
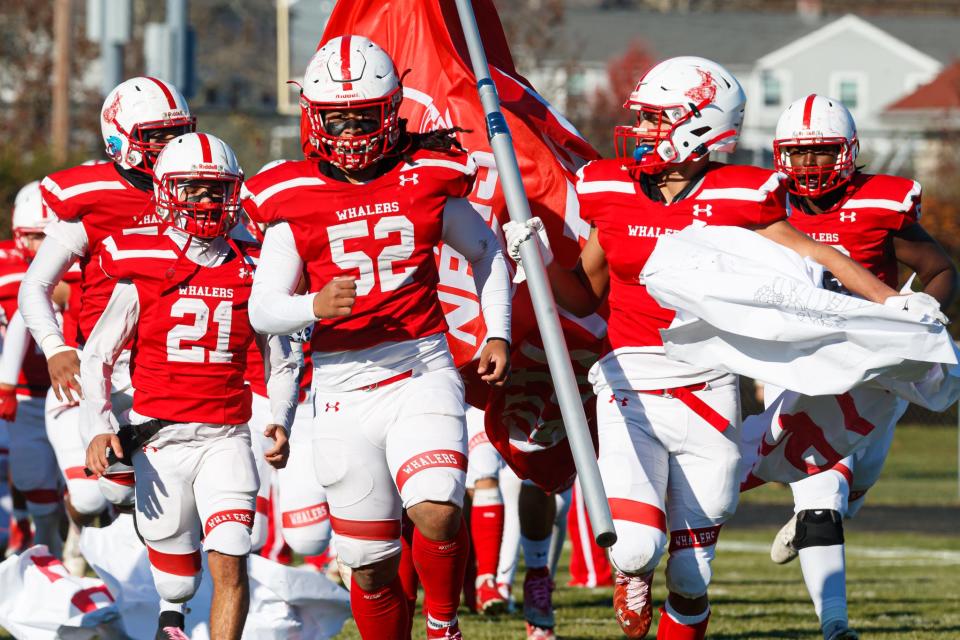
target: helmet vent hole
699 132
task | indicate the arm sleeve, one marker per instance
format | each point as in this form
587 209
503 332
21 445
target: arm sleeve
15 345
274 309
113 329
282 360
48 267
466 232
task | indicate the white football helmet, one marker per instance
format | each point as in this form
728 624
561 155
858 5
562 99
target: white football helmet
350 73
686 107
196 184
135 109
30 216
811 122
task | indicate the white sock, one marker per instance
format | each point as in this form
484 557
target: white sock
510 543
536 553
687 620
825 573
179 607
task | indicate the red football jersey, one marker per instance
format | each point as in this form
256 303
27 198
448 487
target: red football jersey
863 222
255 374
383 233
629 222
34 379
190 347
106 204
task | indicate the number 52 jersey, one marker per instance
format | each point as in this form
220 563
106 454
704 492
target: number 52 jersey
382 233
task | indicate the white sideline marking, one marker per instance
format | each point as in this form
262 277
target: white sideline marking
897 554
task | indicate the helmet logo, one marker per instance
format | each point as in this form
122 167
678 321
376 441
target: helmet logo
113 145
706 91
110 113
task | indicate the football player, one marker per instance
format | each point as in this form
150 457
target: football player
93 201
361 217
874 219
24 381
669 431
182 299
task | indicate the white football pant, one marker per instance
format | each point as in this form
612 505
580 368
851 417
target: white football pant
379 451
664 465
194 482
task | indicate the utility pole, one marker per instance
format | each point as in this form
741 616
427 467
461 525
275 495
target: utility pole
61 81
283 57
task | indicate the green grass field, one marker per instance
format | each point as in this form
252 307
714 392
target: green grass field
902 583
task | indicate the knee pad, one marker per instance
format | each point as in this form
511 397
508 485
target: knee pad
258 534
86 497
230 538
638 548
356 553
42 502
439 484
483 462
820 528
307 530
689 572
117 485
175 588
310 540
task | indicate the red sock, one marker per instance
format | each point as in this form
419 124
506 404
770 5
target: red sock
407 572
486 529
381 613
441 566
670 629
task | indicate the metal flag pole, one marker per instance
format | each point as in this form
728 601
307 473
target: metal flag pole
545 309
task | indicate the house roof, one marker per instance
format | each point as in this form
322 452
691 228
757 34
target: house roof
942 93
732 38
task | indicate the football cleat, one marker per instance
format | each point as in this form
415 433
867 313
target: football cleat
506 592
540 633
782 550
633 604
21 536
538 600
489 599
171 626
840 631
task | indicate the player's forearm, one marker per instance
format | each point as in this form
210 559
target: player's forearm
283 360
46 270
15 346
492 280
103 346
274 308
852 276
572 291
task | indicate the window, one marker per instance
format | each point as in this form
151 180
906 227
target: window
849 90
772 89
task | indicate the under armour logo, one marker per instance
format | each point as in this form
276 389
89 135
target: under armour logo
413 178
848 217
614 399
706 210
245 272
333 406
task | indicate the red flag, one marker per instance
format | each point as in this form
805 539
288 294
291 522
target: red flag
424 37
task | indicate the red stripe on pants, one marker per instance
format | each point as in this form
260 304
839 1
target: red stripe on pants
366 529
639 512
178 564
